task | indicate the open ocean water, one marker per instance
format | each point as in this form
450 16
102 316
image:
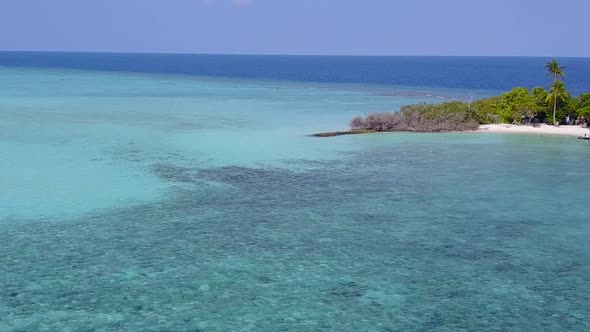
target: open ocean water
182 193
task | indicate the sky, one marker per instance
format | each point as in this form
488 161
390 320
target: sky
324 27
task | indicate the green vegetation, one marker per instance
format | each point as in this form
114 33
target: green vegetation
517 106
558 90
524 106
555 70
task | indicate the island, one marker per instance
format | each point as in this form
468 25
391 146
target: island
520 110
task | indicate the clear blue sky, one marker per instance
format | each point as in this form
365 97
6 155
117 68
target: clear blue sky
371 27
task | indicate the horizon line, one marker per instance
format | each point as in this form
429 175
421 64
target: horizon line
295 55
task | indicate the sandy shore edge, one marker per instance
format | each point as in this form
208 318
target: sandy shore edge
573 131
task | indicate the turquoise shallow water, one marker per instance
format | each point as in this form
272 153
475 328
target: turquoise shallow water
163 203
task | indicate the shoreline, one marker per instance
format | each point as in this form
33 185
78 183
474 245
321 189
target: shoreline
544 129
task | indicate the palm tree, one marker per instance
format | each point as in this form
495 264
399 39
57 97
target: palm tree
553 69
557 92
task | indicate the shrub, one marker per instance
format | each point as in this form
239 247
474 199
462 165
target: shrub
452 116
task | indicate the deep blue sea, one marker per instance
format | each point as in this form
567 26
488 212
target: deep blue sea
152 192
479 73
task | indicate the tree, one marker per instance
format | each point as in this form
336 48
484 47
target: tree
539 94
554 69
584 105
584 112
487 110
557 92
584 100
518 104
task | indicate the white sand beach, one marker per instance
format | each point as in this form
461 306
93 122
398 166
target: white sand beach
540 130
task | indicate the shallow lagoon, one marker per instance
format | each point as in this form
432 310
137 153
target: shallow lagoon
138 202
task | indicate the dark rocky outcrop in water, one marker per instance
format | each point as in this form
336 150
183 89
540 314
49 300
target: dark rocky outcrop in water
342 133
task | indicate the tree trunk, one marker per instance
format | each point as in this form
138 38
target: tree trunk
554 110
555 102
